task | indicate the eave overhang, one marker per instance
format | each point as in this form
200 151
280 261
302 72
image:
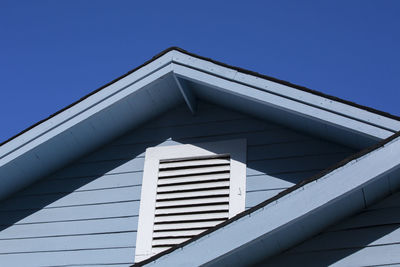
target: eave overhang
170 78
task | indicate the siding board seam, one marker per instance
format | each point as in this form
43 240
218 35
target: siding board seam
68 235
74 220
69 206
75 191
64 250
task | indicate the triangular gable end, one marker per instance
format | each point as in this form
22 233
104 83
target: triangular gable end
173 77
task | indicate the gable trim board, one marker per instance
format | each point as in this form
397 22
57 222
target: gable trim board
346 188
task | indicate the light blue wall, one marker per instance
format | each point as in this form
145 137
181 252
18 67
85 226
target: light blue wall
87 213
370 238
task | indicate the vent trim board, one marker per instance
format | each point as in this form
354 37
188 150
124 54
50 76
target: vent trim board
188 189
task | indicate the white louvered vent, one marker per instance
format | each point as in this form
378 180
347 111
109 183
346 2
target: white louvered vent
192 196
188 189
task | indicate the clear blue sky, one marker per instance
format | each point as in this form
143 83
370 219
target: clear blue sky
54 52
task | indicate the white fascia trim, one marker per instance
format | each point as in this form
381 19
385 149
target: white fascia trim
280 102
86 108
287 92
289 208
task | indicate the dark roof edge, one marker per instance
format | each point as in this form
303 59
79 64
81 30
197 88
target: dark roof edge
270 200
93 92
302 88
299 87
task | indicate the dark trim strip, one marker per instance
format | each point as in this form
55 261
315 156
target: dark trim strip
194 205
193 190
193 174
218 156
211 180
166 169
196 197
192 221
172 237
192 212
181 229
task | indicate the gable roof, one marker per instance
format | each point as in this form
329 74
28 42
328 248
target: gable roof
176 76
241 70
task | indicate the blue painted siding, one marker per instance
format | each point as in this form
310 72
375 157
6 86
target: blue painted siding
87 213
370 238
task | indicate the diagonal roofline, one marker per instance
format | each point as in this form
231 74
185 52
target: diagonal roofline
272 199
245 71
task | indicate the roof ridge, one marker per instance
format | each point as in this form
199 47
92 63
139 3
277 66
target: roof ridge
176 48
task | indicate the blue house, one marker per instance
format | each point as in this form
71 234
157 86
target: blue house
185 161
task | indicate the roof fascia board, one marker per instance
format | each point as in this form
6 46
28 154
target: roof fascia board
280 102
83 110
287 91
90 101
77 114
312 199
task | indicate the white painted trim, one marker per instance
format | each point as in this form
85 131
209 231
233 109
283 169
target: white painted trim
287 210
237 187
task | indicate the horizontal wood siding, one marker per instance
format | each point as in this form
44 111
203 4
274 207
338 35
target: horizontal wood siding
88 212
370 238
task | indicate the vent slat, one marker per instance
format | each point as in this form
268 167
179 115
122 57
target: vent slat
208 193
177 233
186 225
191 209
195 171
220 156
194 178
192 201
190 217
193 163
221 186
194 174
224 183
192 212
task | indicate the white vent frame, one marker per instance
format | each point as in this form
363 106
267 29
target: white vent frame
237 149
